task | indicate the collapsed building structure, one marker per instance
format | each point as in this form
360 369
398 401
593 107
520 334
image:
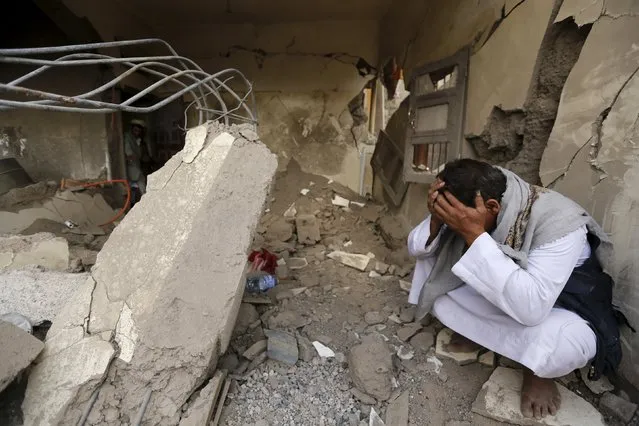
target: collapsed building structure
547 88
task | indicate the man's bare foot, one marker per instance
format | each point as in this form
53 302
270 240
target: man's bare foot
539 397
461 344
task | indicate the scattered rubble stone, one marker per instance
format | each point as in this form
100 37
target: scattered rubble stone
405 285
18 349
308 231
282 347
618 407
500 399
255 349
397 411
461 358
374 317
408 331
255 363
246 316
597 387
423 341
305 349
405 354
371 367
407 314
357 261
42 249
373 274
279 230
404 271
381 267
288 320
488 359
361 396
295 263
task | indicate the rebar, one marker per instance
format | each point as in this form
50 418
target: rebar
210 94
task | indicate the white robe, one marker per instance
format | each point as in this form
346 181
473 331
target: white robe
510 310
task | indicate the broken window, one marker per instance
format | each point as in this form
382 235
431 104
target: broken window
388 163
434 131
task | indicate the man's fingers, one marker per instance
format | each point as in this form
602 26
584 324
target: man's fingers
453 201
442 202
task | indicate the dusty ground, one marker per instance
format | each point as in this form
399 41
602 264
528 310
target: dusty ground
333 309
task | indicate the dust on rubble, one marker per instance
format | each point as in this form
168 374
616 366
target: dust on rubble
343 309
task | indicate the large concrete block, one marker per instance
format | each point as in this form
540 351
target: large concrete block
168 284
37 295
17 350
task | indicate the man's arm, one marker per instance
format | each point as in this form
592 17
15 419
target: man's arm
526 295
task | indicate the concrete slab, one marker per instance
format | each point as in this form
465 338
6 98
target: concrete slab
499 399
18 349
397 411
461 358
173 271
37 295
42 249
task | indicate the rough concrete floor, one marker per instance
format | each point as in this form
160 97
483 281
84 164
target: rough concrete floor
332 310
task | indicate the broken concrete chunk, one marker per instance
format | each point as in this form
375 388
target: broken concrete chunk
357 261
279 230
461 358
295 263
282 347
405 285
407 314
288 320
42 249
308 231
194 142
18 349
397 411
201 410
306 349
371 367
256 348
291 211
374 317
423 341
597 387
246 315
340 201
618 407
37 295
381 267
408 331
253 364
373 274
500 399
488 359
323 351
405 354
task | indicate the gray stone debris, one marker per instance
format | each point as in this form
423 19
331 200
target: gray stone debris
488 359
408 331
18 349
361 396
397 411
305 348
381 267
308 231
42 249
423 341
371 367
256 348
500 399
166 288
374 317
246 316
407 314
279 230
288 320
37 295
618 407
282 347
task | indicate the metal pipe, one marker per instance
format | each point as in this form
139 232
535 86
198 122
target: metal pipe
145 403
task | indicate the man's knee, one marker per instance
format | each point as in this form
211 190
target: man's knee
576 345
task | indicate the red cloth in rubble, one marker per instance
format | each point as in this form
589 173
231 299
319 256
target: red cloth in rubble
267 259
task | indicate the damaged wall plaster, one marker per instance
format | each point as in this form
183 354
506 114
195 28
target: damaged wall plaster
592 153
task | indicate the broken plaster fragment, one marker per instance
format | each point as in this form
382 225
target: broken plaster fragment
297 263
126 334
305 191
340 201
357 261
194 143
291 211
323 350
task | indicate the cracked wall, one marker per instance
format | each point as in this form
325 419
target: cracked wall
305 74
50 145
592 153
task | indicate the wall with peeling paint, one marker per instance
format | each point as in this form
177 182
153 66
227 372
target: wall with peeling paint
593 152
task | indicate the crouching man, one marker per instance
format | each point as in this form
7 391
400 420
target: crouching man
517 269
